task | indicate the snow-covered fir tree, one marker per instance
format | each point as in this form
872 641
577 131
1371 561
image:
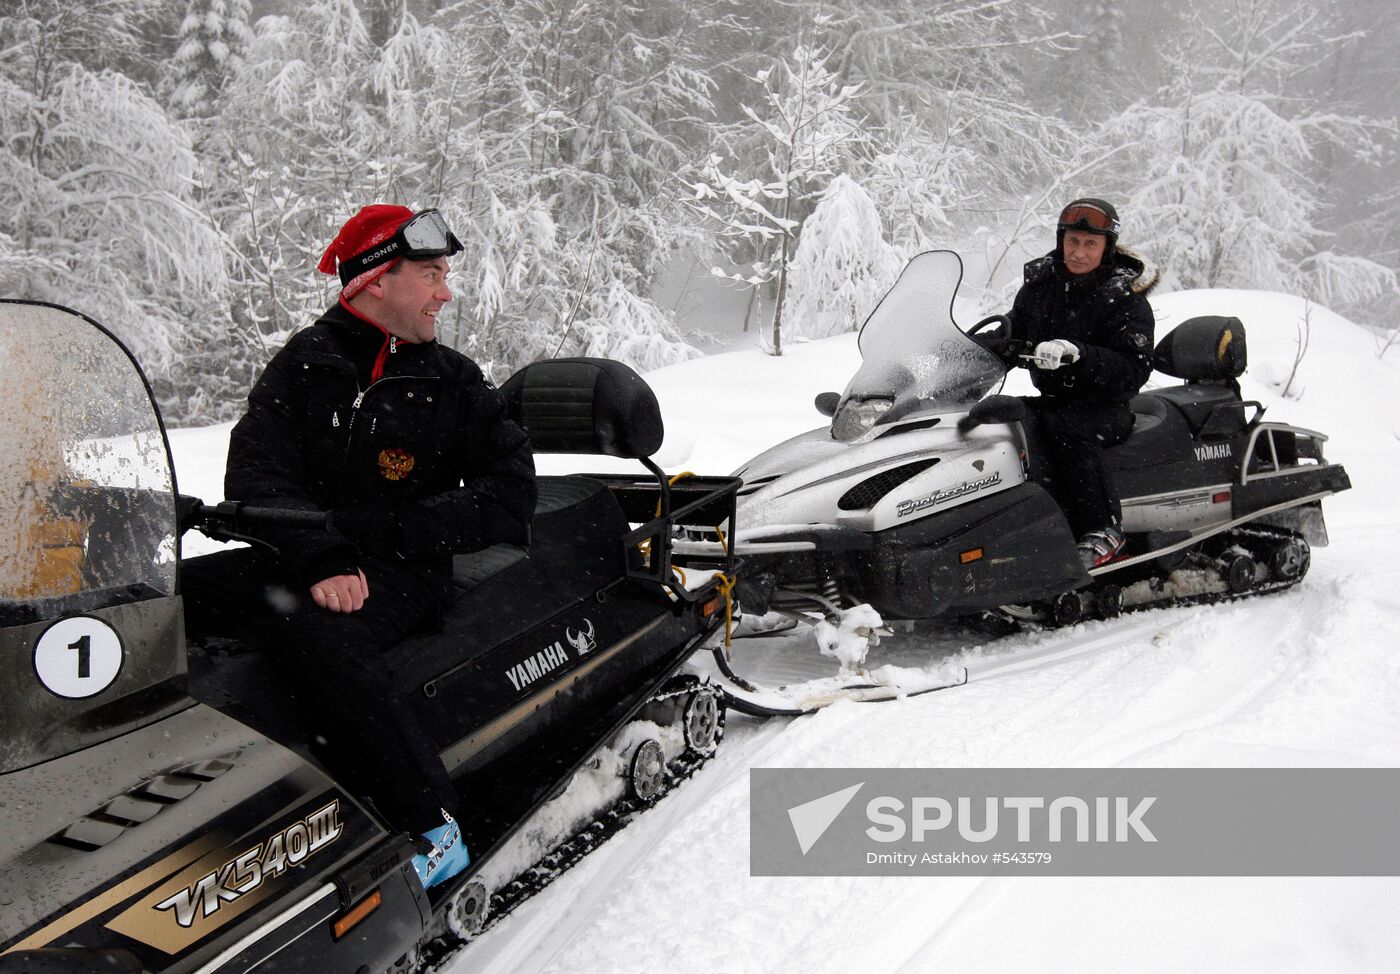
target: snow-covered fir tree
306 141
212 38
1087 77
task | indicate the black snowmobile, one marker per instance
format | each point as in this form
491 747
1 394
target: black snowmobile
162 809
921 498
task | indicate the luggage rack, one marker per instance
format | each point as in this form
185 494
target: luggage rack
659 506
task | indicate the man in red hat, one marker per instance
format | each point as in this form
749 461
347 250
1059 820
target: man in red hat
1083 308
409 447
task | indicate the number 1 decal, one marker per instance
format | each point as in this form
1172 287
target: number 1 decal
78 657
84 648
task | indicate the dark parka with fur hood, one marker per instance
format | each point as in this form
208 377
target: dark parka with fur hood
1104 312
406 444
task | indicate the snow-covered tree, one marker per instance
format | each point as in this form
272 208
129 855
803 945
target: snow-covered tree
1225 185
947 99
1090 80
212 38
843 263
920 180
98 181
566 152
303 141
803 128
959 67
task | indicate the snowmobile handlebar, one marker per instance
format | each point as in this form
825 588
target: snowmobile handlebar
998 341
993 409
236 521
1002 322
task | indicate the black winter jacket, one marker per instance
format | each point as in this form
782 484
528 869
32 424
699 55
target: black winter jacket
406 444
1106 315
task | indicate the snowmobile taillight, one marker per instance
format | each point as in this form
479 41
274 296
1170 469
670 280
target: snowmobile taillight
358 912
712 606
1220 498
969 556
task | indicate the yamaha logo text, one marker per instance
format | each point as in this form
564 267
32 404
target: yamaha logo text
540 664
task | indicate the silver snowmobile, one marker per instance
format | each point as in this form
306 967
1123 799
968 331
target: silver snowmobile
162 808
920 498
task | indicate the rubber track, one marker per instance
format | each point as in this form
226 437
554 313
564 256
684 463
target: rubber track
1213 598
439 947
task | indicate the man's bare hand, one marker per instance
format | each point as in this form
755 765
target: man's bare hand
341 593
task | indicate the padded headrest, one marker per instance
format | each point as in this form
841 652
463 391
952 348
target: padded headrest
585 405
1204 348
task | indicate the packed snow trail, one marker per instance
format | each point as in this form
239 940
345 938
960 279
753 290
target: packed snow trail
1306 677
1284 679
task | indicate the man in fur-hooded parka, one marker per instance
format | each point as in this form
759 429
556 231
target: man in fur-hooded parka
1083 308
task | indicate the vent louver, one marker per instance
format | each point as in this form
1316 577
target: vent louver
869 491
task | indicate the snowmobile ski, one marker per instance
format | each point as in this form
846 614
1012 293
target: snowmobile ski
1239 563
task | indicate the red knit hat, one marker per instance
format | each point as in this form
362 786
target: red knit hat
374 224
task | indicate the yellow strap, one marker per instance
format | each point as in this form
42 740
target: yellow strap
645 546
671 483
726 587
725 584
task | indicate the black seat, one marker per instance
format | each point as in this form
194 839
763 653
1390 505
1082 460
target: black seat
1209 408
1148 413
1159 434
1210 353
575 550
556 494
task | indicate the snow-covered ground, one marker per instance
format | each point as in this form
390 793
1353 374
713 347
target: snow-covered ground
1306 678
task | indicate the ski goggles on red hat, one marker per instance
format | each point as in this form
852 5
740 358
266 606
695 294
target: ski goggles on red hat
1087 216
423 236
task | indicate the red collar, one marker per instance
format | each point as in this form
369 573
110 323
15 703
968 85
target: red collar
346 305
385 350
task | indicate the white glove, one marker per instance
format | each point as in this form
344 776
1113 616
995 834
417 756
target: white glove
1055 353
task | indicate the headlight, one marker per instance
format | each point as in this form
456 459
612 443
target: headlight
856 416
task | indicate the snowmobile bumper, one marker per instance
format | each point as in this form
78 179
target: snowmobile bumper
1259 493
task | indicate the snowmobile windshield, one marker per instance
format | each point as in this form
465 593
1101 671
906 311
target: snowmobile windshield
85 479
913 355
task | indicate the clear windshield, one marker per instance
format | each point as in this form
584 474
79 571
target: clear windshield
912 351
86 489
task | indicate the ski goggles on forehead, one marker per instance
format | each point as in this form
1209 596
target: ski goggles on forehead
424 235
1087 216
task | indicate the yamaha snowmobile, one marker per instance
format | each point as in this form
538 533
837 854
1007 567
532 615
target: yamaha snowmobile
922 499
161 805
